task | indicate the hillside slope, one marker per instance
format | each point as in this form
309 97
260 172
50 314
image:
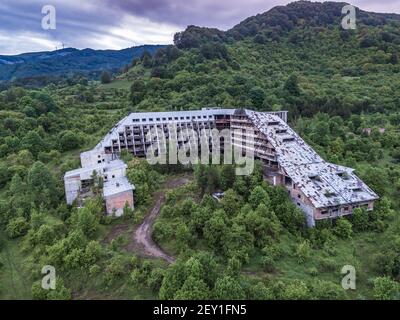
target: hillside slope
296 57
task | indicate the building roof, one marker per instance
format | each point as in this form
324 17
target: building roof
104 167
116 186
324 183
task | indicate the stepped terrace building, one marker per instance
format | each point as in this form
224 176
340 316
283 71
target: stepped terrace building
322 190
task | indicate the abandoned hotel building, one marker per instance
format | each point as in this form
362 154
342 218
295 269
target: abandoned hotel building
322 190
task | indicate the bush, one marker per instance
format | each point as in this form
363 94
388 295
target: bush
45 235
155 279
17 227
260 292
386 289
115 268
228 288
303 252
360 219
268 263
295 290
327 265
313 271
343 229
94 270
326 290
69 140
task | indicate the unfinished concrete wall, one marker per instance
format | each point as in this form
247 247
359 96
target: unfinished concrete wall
94 157
72 187
117 202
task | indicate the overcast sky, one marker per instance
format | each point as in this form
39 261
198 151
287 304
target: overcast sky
116 24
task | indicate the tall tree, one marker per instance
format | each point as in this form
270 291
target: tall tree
105 77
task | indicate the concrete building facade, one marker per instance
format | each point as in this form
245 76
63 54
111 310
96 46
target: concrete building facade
320 189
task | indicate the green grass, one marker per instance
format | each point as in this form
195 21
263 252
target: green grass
14 284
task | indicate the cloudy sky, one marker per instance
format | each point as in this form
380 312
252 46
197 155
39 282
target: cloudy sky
116 24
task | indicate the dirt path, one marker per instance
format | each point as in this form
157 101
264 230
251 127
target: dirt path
143 235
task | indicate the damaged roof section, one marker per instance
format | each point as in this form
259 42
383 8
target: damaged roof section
324 183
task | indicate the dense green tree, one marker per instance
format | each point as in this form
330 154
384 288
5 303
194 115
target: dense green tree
33 142
360 219
41 184
173 281
343 228
105 77
138 91
238 242
292 85
69 140
146 59
258 196
5 175
193 289
86 220
215 229
227 176
231 202
228 288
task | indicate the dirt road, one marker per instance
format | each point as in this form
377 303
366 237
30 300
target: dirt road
143 234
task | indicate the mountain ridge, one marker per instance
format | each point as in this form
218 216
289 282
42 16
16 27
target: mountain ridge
281 19
68 61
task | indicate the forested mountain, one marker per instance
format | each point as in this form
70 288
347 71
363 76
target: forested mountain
69 61
341 90
295 57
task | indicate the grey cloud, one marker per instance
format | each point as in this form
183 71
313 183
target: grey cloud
81 23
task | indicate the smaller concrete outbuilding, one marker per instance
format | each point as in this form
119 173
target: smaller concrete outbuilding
117 193
117 190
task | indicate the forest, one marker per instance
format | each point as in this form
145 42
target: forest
341 90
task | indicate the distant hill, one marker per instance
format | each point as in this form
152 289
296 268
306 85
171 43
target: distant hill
281 20
295 57
69 61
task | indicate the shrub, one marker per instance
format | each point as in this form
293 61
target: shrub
343 228
385 288
303 251
115 268
94 270
17 227
327 265
69 140
360 219
228 288
155 279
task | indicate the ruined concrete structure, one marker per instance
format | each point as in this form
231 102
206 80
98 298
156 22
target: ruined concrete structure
321 189
117 191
